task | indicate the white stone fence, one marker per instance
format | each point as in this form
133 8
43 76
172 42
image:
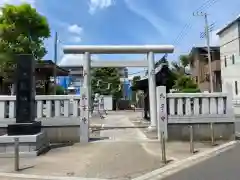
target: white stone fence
49 108
193 108
199 107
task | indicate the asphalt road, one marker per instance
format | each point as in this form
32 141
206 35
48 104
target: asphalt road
225 166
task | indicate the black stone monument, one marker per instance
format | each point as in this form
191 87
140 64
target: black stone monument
25 98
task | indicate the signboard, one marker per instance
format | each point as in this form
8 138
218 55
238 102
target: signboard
162 110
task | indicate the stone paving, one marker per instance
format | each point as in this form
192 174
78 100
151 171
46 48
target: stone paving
118 153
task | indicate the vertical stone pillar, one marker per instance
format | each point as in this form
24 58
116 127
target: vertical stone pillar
86 100
152 90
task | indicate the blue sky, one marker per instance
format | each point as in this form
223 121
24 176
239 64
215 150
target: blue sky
132 22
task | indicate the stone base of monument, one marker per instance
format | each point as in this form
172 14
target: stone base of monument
30 128
29 145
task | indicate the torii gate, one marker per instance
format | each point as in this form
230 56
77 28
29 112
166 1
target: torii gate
88 50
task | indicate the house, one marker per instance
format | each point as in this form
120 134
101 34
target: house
229 37
43 73
199 67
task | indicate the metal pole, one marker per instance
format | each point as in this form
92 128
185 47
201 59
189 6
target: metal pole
152 90
212 134
163 148
207 36
209 52
16 151
55 62
191 139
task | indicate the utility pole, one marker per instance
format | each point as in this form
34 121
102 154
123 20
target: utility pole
207 36
55 61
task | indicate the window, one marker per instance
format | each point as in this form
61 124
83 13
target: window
236 88
225 61
233 59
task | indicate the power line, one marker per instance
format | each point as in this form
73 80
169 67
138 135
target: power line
188 26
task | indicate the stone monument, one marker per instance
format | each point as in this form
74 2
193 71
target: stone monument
25 98
32 139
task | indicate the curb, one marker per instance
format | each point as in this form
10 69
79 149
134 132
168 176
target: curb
185 163
38 177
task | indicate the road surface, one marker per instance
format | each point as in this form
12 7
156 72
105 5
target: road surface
225 166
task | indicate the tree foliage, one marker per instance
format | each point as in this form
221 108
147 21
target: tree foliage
184 60
60 90
135 79
106 81
22 31
183 82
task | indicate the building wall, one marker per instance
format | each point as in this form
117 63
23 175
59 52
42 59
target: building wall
230 49
200 71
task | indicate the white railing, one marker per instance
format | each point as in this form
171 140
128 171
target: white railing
199 108
47 107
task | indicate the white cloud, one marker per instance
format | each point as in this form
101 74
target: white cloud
76 39
75 29
161 25
94 5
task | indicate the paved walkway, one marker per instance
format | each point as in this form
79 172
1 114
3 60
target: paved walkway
123 153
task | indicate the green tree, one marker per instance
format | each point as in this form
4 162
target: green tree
185 83
23 31
106 81
60 90
135 79
185 60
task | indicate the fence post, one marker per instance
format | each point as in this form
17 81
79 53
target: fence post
191 139
16 152
212 134
163 148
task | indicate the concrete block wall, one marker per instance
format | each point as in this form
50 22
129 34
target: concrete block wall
201 132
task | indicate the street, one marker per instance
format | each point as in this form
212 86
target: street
225 166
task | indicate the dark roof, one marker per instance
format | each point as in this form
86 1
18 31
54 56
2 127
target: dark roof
204 48
162 76
48 66
228 25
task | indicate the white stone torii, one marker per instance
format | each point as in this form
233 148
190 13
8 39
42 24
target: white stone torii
87 50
